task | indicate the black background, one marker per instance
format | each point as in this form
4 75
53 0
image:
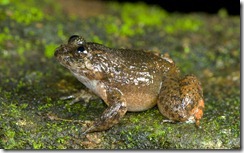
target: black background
188 6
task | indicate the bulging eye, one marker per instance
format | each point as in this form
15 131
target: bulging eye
81 49
72 38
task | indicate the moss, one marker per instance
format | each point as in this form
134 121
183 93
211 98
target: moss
60 31
183 24
32 14
223 13
33 81
4 2
49 49
5 35
26 17
96 39
134 18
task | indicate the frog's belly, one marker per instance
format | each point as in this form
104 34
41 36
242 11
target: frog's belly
140 101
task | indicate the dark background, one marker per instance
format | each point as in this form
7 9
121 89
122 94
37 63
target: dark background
188 6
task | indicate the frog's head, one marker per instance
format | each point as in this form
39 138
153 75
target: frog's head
74 54
71 55
78 56
84 60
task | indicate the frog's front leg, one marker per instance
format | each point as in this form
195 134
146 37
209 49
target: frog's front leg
82 95
111 116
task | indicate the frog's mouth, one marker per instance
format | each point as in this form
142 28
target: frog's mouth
62 57
71 63
65 61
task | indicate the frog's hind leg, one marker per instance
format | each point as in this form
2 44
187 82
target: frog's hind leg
181 99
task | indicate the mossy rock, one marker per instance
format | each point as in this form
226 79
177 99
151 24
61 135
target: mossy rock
32 81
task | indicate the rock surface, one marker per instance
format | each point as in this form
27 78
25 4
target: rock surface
31 81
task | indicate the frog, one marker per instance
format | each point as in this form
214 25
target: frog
132 80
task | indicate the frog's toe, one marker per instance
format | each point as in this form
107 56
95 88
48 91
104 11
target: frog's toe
169 121
67 97
76 98
199 113
89 129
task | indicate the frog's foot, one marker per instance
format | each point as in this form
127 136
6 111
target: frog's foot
199 112
109 118
169 121
80 96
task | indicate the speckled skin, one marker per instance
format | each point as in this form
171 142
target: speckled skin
131 80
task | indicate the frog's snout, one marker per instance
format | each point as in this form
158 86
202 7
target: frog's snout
60 51
56 52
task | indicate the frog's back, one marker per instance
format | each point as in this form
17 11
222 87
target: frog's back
129 59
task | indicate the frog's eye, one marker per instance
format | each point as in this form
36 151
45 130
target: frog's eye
72 38
81 49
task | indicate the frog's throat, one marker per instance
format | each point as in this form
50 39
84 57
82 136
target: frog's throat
94 85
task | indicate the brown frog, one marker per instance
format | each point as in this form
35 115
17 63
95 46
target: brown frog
131 80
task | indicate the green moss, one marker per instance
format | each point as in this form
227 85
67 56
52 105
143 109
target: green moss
23 13
4 2
25 16
134 18
61 32
49 49
5 35
183 24
31 84
97 39
223 13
